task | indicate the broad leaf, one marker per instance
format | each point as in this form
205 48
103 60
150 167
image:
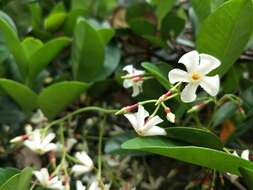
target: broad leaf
43 56
157 73
87 52
221 34
21 94
247 175
195 136
106 34
205 157
6 173
31 45
14 45
55 98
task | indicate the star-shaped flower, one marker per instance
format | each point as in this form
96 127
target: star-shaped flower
144 125
197 66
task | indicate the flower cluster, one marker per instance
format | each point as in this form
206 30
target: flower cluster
40 141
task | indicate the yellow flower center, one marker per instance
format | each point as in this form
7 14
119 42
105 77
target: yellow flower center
195 76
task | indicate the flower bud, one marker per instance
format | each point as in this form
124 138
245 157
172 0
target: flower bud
169 115
197 107
165 96
127 109
19 139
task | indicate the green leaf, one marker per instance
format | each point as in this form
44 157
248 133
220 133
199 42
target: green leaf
14 45
25 179
55 98
21 94
222 30
142 26
22 180
226 111
106 34
156 72
195 136
31 45
172 25
201 156
56 18
43 56
163 7
87 52
247 175
6 173
112 59
36 13
202 8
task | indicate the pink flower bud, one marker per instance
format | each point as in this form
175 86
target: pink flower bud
169 115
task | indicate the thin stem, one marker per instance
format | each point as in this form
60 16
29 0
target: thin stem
101 133
81 110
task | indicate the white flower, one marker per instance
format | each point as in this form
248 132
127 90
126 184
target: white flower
95 186
80 186
47 181
171 117
133 79
21 138
143 126
38 118
86 164
197 66
40 142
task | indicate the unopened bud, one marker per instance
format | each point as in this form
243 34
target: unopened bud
171 117
137 78
197 107
127 109
19 139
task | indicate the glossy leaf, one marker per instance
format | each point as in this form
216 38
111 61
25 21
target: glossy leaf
222 30
43 56
155 71
195 136
163 7
201 156
14 45
226 111
6 173
21 94
106 34
55 98
142 26
247 175
87 52
31 45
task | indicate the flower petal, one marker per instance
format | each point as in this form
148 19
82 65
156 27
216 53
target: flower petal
132 118
190 60
211 84
129 69
127 83
137 89
189 92
208 63
48 139
141 115
79 185
80 169
245 154
178 75
155 130
152 122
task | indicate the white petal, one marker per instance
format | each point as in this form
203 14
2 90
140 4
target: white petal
127 83
211 84
155 130
129 69
94 186
152 122
50 147
245 154
29 144
48 139
137 89
80 169
85 159
141 115
132 118
208 63
80 186
235 154
171 117
178 75
189 92
190 60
